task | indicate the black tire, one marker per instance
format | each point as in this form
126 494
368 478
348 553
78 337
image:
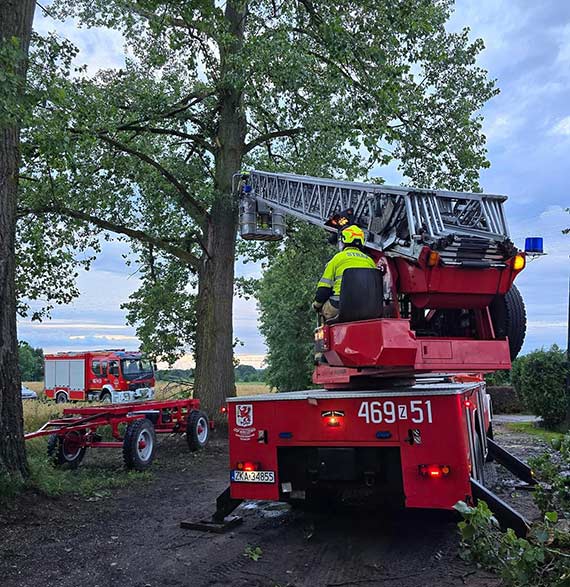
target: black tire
61 397
197 430
64 451
479 460
106 398
509 319
139 445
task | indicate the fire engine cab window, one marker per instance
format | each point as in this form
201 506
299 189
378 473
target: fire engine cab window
114 368
96 367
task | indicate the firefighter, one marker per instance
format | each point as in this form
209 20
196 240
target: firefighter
350 256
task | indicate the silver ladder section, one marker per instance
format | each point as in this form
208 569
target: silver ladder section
398 220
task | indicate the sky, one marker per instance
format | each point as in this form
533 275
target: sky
528 138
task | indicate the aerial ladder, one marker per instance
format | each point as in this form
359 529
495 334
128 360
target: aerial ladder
446 300
401 415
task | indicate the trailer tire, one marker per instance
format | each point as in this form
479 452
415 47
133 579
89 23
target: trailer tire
139 445
64 451
509 319
197 430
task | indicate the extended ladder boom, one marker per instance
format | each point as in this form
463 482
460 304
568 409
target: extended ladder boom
397 220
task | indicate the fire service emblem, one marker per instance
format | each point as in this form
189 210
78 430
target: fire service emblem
244 415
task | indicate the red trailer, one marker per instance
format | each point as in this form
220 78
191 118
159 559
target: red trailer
109 376
80 429
399 417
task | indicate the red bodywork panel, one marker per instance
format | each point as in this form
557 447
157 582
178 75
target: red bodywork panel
387 346
438 419
450 286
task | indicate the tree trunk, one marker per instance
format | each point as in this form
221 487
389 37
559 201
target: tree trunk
214 377
16 18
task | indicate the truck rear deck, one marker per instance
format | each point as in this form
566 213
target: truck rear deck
412 444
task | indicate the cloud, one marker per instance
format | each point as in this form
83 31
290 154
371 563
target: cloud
562 127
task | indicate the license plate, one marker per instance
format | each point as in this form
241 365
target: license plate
252 476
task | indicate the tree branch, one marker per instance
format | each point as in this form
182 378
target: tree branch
199 139
139 235
190 204
290 132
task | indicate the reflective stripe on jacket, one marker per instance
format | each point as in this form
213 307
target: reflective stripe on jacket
348 258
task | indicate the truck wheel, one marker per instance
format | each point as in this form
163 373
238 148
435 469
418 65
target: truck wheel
509 319
197 430
106 398
60 397
139 445
66 450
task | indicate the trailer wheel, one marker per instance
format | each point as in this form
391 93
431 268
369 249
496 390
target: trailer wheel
66 450
197 430
509 319
139 445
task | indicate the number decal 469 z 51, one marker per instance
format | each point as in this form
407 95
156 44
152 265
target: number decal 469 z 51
388 412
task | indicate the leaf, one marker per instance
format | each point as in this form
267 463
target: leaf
551 517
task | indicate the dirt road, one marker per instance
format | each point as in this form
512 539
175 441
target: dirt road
133 538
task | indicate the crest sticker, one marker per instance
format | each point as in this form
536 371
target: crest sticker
244 415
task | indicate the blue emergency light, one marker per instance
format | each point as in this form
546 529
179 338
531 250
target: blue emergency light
534 245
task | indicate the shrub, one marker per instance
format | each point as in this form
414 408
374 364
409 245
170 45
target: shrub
505 399
543 384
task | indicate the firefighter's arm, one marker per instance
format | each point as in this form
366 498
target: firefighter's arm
324 287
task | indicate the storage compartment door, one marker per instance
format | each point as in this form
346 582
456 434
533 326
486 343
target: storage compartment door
61 374
77 375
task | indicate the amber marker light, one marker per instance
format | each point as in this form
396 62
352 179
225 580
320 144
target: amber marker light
519 262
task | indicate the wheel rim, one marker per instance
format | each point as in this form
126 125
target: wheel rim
202 430
71 446
144 445
60 398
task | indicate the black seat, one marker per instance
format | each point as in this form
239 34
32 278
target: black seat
361 296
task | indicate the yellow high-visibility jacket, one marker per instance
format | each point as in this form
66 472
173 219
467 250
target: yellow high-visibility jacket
348 258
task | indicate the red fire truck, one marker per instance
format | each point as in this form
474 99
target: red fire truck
111 376
402 414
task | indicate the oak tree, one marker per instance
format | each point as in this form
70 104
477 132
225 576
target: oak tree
149 151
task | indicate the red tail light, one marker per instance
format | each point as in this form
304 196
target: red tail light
248 466
434 471
223 410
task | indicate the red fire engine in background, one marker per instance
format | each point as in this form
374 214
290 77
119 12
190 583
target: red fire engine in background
402 415
112 376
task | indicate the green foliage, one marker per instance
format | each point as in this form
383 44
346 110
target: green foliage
253 552
174 374
516 373
498 378
542 382
164 308
326 88
249 374
553 470
287 320
520 562
31 362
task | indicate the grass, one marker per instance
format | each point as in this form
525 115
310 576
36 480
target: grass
534 430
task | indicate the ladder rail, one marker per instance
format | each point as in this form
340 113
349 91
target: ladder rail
429 214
